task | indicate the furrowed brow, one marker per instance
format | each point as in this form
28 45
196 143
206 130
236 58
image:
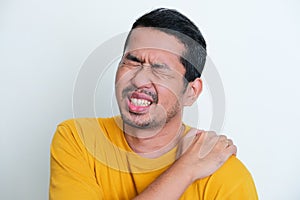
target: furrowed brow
131 57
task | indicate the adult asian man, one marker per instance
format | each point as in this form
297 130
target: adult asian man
148 152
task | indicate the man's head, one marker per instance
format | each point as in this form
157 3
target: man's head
160 69
174 23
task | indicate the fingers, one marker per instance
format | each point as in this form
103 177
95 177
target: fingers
224 142
193 132
230 142
211 142
205 150
206 143
223 150
231 150
197 141
187 141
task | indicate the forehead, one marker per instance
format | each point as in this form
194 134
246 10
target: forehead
149 38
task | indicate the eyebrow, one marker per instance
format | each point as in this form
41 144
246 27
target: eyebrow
161 65
131 57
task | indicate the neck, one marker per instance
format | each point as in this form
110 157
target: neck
153 143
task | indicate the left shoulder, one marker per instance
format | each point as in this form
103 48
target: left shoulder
231 181
233 169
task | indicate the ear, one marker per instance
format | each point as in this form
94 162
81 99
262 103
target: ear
192 92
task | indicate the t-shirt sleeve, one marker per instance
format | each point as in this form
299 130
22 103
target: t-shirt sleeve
231 182
245 190
72 175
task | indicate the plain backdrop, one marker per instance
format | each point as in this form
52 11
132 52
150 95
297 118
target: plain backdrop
254 45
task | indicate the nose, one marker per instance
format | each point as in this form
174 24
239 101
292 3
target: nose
143 77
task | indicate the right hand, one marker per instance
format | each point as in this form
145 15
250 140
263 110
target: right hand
201 153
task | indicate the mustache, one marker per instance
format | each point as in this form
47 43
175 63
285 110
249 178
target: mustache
133 89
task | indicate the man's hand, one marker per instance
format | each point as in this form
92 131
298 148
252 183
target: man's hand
202 153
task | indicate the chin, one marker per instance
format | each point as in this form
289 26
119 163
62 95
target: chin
138 121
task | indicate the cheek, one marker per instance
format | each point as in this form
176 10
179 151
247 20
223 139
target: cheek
122 81
173 88
170 95
118 75
123 76
119 83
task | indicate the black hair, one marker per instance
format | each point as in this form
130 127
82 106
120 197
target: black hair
174 23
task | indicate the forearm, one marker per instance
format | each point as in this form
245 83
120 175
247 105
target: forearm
169 185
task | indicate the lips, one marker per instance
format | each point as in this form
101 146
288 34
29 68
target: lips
139 102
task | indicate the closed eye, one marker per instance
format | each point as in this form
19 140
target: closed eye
133 58
160 66
162 71
131 61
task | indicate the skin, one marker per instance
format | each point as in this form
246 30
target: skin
151 71
160 122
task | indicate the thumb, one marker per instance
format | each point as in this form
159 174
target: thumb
186 141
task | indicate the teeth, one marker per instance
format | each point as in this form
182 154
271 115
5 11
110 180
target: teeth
140 102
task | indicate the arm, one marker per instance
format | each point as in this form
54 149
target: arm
206 153
71 176
232 181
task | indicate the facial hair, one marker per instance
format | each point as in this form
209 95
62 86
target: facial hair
142 122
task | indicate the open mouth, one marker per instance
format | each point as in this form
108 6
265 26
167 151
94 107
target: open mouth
139 102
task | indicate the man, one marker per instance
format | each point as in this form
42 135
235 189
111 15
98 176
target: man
147 152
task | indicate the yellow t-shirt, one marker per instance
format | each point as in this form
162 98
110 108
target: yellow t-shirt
90 159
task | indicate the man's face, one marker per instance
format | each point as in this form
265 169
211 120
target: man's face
149 81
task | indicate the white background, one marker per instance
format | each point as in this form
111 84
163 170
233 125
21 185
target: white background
254 45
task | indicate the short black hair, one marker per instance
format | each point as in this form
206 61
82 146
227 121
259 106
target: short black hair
174 23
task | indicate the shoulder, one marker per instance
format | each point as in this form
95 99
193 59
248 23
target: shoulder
231 181
85 130
80 124
233 168
81 134
79 128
